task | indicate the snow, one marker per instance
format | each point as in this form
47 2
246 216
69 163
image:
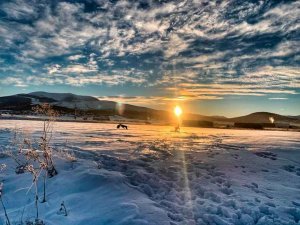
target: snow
152 175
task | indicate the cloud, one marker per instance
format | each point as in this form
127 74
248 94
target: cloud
229 89
53 69
17 82
76 57
278 98
175 46
225 47
269 76
155 100
110 80
78 75
262 81
77 69
20 9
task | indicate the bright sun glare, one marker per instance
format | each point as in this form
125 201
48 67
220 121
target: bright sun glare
177 111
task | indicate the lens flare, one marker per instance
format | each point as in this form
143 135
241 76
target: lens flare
120 107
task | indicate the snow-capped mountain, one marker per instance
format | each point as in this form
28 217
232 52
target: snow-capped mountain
73 101
63 100
68 103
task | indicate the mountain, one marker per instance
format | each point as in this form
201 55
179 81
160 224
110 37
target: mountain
262 117
68 103
61 100
72 101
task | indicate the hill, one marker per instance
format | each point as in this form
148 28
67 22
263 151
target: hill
262 117
68 103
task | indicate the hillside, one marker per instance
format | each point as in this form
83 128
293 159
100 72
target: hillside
262 117
67 103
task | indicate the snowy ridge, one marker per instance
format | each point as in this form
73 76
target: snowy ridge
63 96
72 101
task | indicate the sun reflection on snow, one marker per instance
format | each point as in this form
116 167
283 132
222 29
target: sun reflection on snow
187 189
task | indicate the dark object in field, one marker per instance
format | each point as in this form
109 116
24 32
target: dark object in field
63 209
52 171
20 169
122 126
177 128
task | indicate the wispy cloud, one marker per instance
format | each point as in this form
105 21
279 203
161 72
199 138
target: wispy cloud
278 98
76 57
155 100
20 9
200 49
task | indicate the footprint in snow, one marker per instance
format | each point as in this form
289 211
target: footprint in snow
292 169
266 155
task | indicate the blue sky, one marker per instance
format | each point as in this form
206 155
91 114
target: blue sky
228 57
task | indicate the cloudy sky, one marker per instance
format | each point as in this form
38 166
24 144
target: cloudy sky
227 57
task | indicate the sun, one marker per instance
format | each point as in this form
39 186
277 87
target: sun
177 111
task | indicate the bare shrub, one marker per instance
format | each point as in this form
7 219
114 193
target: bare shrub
35 156
35 172
68 155
2 167
44 145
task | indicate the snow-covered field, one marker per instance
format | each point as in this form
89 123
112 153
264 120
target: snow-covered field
152 175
